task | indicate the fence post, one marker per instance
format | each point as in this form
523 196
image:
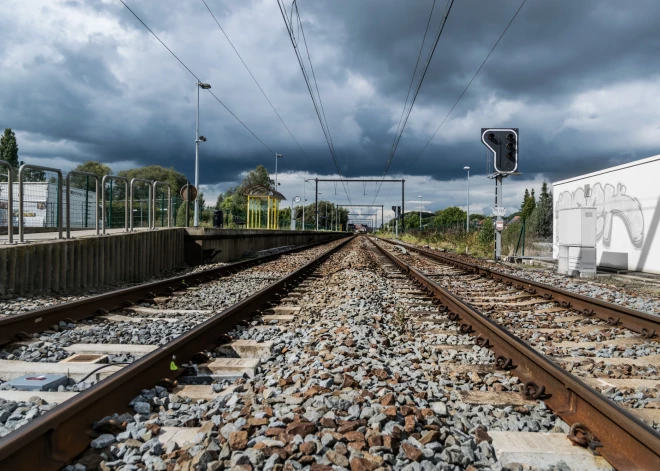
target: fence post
111 178
132 197
10 200
21 171
68 200
169 202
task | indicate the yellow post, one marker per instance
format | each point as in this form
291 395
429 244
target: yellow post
247 219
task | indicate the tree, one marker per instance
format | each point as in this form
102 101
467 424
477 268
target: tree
9 153
452 216
258 176
92 166
528 204
9 148
540 222
151 173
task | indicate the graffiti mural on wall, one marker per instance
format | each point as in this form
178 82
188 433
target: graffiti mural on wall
609 202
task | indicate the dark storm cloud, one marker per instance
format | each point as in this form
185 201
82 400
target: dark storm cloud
116 95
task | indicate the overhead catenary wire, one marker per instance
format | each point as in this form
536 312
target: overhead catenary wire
196 77
398 136
255 81
317 102
468 85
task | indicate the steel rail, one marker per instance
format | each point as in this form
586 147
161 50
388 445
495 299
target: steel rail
54 439
19 326
641 322
627 442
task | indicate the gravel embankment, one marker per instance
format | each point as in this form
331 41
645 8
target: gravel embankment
355 382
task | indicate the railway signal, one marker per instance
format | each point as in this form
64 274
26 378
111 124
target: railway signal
503 143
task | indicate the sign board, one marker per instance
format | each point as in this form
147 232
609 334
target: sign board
497 211
184 193
499 225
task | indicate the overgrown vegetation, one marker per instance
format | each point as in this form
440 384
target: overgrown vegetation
445 229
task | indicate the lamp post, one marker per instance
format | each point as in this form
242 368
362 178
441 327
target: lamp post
198 138
420 212
467 227
304 201
277 156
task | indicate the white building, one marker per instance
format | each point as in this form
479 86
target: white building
627 203
40 205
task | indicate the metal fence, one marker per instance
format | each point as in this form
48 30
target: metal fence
45 198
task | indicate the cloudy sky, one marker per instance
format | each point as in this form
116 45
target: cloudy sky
84 80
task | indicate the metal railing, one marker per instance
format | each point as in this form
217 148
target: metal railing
169 203
125 180
68 199
149 207
10 200
21 171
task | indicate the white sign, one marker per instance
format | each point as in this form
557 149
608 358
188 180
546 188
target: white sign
499 225
497 211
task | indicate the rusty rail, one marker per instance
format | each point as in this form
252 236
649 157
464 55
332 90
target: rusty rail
643 323
627 442
18 327
54 439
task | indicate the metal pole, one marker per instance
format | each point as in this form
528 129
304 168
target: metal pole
10 200
275 171
316 204
403 203
467 227
86 201
498 234
420 213
187 204
110 208
382 216
326 216
196 215
304 201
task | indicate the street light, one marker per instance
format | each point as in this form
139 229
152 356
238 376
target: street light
420 212
277 156
467 227
198 138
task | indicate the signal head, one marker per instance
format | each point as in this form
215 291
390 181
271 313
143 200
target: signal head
510 137
491 136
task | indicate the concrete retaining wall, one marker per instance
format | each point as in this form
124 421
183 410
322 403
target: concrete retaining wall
65 266
89 262
204 245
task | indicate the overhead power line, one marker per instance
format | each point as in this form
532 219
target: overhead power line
408 108
310 77
255 80
196 77
468 85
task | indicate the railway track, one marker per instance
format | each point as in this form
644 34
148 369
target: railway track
550 337
157 311
352 358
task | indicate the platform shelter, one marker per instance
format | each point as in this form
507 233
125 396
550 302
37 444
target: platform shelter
263 206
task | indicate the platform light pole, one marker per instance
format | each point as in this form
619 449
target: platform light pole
420 213
467 227
198 138
304 201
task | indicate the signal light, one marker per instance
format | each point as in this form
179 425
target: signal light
503 143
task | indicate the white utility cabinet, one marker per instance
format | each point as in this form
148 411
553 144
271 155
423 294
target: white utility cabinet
577 242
